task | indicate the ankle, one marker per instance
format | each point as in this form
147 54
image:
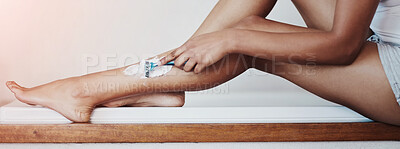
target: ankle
80 88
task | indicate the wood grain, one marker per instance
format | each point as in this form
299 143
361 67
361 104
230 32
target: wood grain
255 132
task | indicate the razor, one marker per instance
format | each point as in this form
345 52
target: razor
149 66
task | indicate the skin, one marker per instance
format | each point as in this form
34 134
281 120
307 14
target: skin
228 13
339 45
361 85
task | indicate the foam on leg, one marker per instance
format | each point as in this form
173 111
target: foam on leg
138 69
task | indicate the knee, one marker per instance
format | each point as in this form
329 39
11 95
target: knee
248 22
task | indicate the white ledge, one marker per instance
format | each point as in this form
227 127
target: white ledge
38 115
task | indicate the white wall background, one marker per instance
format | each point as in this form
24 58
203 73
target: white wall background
45 40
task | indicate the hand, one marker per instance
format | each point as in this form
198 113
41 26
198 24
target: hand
202 51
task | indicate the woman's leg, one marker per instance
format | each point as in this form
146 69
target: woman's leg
225 14
224 9
361 86
76 97
166 99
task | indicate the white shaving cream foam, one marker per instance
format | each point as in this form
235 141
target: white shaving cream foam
138 69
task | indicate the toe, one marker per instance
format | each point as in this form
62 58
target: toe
14 87
10 84
20 93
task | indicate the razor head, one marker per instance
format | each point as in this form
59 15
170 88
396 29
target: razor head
147 69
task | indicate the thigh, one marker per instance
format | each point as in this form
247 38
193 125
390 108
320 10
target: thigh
361 86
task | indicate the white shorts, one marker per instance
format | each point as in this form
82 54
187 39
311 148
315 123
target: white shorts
389 53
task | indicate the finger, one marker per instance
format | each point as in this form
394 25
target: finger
199 68
166 59
189 65
179 61
171 56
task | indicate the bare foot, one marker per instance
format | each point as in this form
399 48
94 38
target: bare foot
65 96
175 99
58 95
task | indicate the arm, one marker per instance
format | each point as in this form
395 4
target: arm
337 46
